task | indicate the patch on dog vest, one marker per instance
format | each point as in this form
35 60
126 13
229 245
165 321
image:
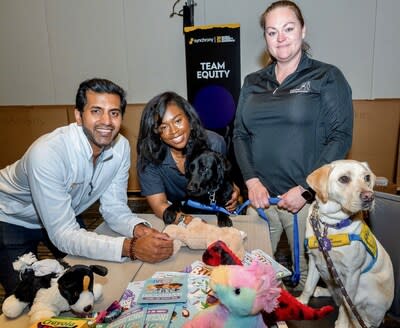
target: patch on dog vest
369 240
366 237
340 239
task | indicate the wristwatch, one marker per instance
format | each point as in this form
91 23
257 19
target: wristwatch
308 194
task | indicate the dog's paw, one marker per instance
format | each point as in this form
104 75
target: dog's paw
321 292
36 316
12 307
303 299
224 221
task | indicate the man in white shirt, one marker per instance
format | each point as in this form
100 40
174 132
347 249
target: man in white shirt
61 175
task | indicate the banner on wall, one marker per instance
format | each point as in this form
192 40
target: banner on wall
213 72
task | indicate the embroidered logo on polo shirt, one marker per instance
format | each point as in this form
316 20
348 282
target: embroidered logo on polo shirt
303 88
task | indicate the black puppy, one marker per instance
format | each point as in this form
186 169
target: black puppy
209 183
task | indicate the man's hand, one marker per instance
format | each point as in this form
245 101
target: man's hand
292 200
153 247
142 229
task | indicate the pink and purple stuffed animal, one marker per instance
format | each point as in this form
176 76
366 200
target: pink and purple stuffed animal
251 296
243 292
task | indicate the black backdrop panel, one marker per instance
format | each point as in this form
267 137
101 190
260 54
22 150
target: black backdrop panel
213 72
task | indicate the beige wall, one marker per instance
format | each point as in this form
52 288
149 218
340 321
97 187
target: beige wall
375 139
49 47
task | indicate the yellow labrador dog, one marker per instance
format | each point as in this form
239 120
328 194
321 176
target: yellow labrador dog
344 189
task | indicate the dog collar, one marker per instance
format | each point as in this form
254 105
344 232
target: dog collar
340 225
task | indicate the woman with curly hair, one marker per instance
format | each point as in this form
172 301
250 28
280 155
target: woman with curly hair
170 135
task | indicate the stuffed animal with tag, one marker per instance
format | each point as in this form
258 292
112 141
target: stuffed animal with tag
251 296
199 235
49 288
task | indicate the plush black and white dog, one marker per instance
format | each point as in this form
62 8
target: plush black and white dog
49 288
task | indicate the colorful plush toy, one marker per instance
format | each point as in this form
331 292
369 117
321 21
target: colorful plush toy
199 235
49 288
250 296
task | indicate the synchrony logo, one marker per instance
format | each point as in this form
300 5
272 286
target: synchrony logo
215 39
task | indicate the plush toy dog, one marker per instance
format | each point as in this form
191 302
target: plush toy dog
199 235
250 296
49 288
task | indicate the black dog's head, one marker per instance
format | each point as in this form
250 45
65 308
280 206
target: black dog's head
207 173
76 286
209 180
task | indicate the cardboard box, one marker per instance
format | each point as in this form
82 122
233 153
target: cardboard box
376 135
22 125
60 322
391 188
130 129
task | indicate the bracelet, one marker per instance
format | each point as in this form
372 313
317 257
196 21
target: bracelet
132 245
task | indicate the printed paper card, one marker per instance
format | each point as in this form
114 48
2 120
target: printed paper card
168 289
159 315
132 318
131 294
261 256
200 268
198 288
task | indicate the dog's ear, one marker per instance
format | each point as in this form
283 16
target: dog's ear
318 181
169 214
99 269
228 165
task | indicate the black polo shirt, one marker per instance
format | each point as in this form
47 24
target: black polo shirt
166 178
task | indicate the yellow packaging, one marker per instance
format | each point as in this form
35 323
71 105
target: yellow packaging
61 323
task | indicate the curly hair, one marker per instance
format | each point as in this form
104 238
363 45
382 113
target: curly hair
150 148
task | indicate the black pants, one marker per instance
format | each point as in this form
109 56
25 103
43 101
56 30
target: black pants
16 241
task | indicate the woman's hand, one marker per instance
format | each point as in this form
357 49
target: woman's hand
292 200
232 203
257 193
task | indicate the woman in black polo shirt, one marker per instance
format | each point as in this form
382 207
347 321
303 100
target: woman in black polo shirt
170 132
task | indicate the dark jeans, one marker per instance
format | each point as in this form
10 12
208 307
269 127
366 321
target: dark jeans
16 241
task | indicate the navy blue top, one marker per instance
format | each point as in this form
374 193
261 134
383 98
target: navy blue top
166 177
285 131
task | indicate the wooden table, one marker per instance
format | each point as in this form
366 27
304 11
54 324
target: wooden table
120 274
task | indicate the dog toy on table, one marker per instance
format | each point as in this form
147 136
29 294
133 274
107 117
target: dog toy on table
242 292
49 288
251 296
236 276
199 235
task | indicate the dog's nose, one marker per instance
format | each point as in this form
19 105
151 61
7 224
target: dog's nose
191 187
367 196
87 308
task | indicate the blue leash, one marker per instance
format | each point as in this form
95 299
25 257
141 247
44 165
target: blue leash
273 201
296 248
212 207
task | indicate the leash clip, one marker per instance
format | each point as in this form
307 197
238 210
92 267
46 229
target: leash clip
211 197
